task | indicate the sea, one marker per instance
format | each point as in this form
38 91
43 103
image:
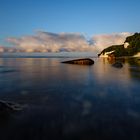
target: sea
68 101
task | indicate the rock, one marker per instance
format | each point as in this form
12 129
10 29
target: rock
117 65
6 70
84 61
8 107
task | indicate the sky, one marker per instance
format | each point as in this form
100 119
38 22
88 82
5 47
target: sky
89 18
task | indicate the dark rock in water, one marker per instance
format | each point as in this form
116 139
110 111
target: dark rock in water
6 70
117 65
84 61
8 107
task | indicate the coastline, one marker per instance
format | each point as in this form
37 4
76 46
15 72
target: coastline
134 56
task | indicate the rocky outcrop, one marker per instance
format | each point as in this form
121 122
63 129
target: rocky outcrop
8 107
84 61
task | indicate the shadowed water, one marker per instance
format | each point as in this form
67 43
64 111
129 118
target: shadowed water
65 101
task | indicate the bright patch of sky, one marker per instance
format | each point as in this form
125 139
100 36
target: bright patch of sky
20 18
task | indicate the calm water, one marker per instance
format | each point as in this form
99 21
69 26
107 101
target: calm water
64 101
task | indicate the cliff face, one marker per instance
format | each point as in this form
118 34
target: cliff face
130 47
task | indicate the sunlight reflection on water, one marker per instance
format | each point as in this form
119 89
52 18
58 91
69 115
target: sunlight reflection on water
71 100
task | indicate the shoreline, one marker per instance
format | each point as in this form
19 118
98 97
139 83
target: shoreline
135 56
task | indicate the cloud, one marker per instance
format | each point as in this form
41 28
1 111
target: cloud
1 49
69 42
100 42
51 42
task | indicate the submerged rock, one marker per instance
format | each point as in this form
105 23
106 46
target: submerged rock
5 69
8 107
117 65
84 61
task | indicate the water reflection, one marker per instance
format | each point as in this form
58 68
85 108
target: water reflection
113 60
71 101
134 68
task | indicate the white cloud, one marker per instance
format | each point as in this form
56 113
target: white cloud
1 49
100 42
52 42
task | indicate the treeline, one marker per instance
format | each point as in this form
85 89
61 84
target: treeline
132 49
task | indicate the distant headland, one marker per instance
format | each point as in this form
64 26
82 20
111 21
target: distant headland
131 47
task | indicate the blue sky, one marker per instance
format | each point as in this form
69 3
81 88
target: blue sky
90 17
